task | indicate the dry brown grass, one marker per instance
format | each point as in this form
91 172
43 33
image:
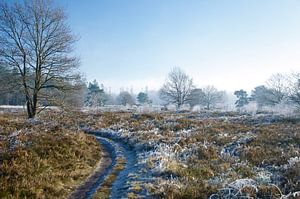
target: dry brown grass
45 160
271 145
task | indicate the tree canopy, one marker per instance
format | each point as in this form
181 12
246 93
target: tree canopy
37 43
177 88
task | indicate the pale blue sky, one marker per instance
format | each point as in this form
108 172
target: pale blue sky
232 44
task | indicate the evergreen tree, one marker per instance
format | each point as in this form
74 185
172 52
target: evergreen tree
196 97
262 95
143 98
242 98
96 95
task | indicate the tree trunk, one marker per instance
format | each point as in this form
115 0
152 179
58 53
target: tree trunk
178 105
35 103
29 109
31 106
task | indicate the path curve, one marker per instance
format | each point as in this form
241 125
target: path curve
104 167
133 172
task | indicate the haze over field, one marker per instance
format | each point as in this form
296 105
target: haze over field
149 99
229 44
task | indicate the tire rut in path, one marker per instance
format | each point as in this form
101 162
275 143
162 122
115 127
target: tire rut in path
89 187
133 171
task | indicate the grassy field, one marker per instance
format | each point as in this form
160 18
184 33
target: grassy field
193 155
211 154
46 158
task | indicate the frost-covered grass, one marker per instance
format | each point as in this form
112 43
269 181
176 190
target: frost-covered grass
198 155
43 158
194 155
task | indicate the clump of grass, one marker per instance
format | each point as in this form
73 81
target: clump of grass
132 195
267 191
291 176
136 187
188 189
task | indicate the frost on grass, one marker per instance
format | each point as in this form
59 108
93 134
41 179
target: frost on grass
210 154
197 155
53 152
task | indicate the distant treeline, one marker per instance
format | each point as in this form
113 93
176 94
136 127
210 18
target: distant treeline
278 89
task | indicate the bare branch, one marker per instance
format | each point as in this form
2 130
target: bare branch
177 87
36 40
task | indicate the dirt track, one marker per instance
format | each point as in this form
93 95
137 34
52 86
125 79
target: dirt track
132 173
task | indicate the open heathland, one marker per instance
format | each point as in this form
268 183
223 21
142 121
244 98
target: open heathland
190 155
211 154
43 158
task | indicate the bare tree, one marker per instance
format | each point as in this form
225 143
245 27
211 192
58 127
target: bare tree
177 87
278 86
125 98
211 96
294 88
36 40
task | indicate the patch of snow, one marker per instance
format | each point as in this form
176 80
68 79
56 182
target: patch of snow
11 107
